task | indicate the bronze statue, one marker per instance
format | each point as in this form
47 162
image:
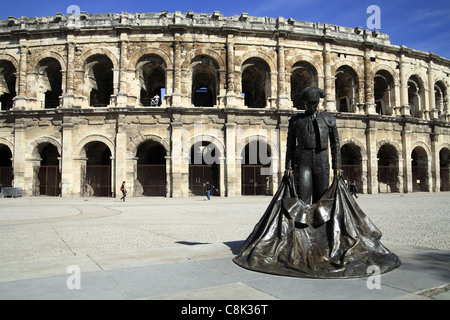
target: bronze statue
309 132
310 229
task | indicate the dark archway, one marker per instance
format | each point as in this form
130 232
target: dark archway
48 173
7 84
352 164
419 167
152 79
204 166
205 82
50 81
255 83
303 75
388 169
384 91
100 74
256 161
346 89
444 165
97 172
151 170
6 168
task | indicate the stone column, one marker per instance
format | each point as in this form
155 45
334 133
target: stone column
176 97
231 94
328 79
177 145
68 96
20 99
405 108
283 99
121 154
368 83
372 167
19 155
230 147
406 150
122 100
67 177
432 95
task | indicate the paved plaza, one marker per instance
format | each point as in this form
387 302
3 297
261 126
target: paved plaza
182 248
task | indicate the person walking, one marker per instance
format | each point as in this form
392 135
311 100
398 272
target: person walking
353 189
124 191
208 190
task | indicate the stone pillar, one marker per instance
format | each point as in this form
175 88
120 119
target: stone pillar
176 97
372 167
20 99
405 108
67 168
283 99
19 155
68 96
328 79
121 154
432 95
231 94
230 135
435 164
122 100
177 142
369 83
406 149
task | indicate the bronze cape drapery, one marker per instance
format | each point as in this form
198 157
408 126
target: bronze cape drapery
331 238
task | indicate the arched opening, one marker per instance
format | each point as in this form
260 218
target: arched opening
205 80
255 83
419 167
48 174
6 169
96 174
50 82
204 166
100 75
440 98
388 169
151 170
256 161
414 95
384 91
152 79
7 84
444 164
303 75
346 89
352 164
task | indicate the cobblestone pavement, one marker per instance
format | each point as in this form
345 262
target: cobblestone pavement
52 227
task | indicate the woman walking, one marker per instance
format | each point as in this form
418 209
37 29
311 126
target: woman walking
124 191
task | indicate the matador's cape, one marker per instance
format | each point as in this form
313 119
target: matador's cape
331 238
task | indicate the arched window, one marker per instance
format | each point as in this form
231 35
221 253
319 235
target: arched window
419 166
7 84
151 170
100 75
255 83
151 70
346 89
303 75
205 82
440 98
50 82
415 93
384 91
388 169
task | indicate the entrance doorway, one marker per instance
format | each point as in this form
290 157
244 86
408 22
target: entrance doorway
204 167
47 174
6 169
151 170
96 175
256 163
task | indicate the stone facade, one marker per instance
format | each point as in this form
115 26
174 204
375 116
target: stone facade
78 118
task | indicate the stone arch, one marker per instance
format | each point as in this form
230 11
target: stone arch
357 143
256 82
34 63
79 151
416 97
384 91
255 54
218 59
10 58
206 138
83 59
204 78
133 146
33 148
50 82
303 74
8 82
7 143
346 86
151 73
138 55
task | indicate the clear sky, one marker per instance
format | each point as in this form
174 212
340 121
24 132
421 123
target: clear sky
417 24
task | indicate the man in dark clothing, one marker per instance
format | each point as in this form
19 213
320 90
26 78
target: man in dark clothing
208 190
309 132
353 189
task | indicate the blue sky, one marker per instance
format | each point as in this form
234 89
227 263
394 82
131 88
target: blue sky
417 24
